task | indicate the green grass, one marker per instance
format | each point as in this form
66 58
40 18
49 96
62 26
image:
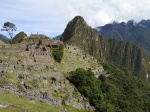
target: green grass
72 61
70 109
11 76
21 57
19 104
13 55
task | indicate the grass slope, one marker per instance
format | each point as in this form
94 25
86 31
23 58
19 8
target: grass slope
73 59
18 104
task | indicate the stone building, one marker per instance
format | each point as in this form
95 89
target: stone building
38 52
39 36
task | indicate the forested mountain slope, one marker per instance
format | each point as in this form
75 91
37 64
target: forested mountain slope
137 33
128 57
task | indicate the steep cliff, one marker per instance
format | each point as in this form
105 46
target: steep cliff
126 56
131 31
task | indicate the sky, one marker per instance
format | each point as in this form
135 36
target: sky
50 17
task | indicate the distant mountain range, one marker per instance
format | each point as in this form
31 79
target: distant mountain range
4 39
57 37
131 31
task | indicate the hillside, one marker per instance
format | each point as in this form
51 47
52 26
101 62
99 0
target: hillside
119 92
19 37
128 57
2 43
78 75
57 37
8 103
4 39
136 33
28 70
114 91
74 58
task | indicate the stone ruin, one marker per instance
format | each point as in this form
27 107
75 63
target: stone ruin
31 63
34 53
38 52
39 36
39 49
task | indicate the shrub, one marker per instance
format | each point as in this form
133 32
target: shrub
58 53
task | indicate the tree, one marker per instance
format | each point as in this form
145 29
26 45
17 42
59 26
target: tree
9 27
58 53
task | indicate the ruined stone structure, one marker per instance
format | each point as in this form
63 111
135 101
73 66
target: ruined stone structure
38 52
39 36
39 49
27 69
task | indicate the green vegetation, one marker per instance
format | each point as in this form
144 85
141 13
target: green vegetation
26 105
9 27
72 59
23 105
20 76
19 37
58 53
118 92
129 32
124 55
88 85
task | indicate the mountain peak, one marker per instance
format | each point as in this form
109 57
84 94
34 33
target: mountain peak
75 28
79 34
77 21
78 18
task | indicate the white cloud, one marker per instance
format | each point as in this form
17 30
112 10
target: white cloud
100 18
51 16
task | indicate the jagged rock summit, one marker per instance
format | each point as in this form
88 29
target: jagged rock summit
79 33
75 29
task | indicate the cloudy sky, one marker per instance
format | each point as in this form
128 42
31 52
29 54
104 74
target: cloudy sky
50 17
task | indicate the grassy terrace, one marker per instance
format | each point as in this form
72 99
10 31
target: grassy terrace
21 104
73 59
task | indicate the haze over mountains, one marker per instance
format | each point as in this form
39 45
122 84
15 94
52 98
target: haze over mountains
136 33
